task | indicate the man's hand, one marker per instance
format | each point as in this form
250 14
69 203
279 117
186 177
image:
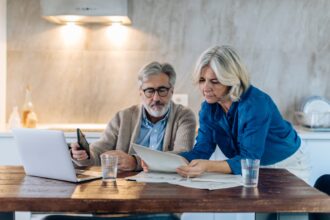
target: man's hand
194 168
144 166
126 162
77 153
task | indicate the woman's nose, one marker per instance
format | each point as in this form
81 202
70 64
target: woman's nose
207 85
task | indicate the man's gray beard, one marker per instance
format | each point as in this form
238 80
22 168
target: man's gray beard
157 114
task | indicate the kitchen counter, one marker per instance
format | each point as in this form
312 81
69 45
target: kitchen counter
94 130
73 127
306 133
91 130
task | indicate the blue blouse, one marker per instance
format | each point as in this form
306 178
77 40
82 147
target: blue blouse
252 128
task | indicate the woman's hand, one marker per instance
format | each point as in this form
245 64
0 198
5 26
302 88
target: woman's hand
194 168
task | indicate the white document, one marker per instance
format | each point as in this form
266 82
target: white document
152 177
159 160
210 181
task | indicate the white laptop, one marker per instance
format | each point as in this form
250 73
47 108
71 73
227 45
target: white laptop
45 153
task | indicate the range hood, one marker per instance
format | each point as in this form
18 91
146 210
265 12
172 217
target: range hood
86 11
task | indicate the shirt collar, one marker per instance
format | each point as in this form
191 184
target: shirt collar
234 105
246 93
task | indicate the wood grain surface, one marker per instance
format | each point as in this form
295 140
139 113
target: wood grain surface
278 191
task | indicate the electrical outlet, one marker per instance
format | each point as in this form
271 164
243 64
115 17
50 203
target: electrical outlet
180 99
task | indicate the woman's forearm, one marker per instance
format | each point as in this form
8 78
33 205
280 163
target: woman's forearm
219 166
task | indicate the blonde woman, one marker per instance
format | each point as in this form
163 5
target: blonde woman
240 119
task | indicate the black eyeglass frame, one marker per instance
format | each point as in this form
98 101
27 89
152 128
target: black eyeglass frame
162 91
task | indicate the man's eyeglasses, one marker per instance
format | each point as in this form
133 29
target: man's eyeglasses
162 91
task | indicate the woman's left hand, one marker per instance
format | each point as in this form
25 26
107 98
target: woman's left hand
194 168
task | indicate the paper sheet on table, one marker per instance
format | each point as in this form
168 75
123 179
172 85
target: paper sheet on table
159 160
209 181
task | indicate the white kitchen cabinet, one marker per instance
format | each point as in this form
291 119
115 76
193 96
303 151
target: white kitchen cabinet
9 153
320 155
317 145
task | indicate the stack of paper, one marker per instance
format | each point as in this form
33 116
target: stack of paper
209 181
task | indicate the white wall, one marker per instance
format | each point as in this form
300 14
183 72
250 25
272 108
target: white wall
3 62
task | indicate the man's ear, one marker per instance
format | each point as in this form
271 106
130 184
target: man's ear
141 92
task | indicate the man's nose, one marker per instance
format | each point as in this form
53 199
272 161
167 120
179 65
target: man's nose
156 96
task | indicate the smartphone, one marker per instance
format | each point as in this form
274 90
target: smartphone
83 144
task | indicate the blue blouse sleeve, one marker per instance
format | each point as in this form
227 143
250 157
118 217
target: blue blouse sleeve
205 145
253 126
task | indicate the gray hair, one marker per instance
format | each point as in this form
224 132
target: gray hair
155 68
228 68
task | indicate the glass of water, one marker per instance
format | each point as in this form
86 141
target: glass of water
109 165
250 172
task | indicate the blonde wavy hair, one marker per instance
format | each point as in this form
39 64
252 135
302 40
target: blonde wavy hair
228 68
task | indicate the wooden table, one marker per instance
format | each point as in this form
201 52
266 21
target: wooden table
278 191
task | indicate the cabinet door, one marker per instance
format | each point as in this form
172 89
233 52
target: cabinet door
9 153
319 153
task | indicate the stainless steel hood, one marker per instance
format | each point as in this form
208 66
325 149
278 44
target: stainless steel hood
86 11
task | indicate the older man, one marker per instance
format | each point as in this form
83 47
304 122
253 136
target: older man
157 123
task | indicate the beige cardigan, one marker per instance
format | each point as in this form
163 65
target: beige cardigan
124 129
